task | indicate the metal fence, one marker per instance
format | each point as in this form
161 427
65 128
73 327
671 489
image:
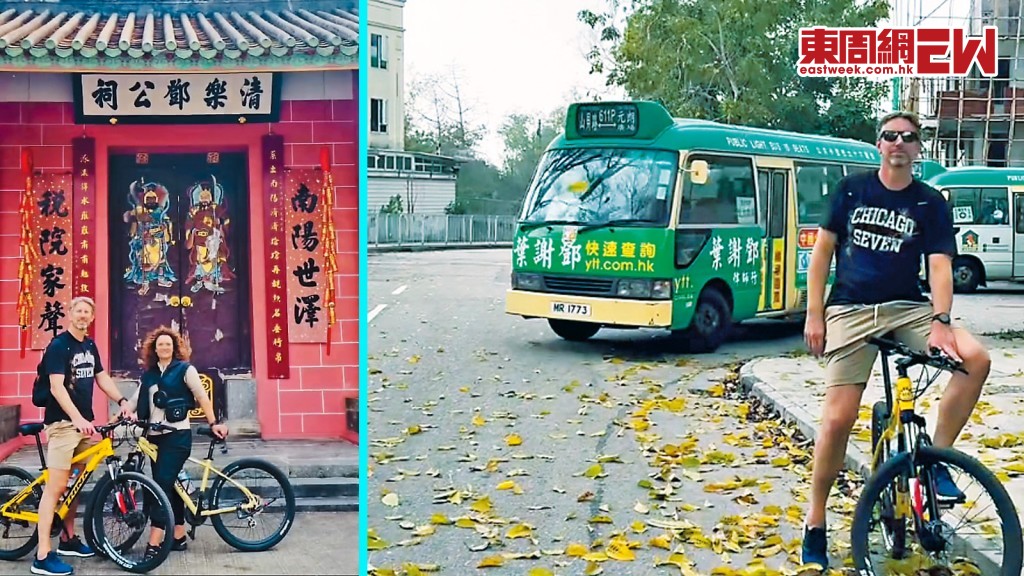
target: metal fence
439 229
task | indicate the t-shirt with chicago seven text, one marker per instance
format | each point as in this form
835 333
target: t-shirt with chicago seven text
85 364
882 235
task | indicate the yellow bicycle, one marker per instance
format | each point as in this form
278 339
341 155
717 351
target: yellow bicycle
125 490
231 498
902 498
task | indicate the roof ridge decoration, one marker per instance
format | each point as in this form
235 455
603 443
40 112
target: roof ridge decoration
221 36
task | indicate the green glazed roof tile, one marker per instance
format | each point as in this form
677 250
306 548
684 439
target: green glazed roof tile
88 34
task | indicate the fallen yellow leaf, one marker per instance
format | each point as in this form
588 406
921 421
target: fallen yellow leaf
491 562
619 550
519 531
482 505
576 550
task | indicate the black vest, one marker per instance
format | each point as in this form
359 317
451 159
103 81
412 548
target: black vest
172 382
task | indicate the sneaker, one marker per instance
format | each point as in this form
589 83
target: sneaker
180 545
75 547
815 547
51 565
151 552
944 484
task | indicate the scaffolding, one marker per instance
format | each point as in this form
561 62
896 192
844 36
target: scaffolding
972 120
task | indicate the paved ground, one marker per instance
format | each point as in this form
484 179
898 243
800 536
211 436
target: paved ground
492 441
319 543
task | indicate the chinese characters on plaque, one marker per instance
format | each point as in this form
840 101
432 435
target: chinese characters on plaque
83 180
278 306
54 229
307 274
181 98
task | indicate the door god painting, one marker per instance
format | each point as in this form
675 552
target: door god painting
206 230
150 234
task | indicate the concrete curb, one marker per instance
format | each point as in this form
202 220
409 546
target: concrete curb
794 411
384 249
856 459
347 504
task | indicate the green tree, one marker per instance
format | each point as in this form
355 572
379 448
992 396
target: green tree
477 189
394 205
734 61
525 137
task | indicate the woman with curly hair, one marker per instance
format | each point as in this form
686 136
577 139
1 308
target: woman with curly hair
170 388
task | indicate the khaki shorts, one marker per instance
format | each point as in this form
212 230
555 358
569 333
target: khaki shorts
63 443
848 357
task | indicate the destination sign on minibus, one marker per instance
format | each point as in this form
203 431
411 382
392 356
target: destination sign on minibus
607 119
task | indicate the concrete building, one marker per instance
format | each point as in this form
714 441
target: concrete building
973 120
424 182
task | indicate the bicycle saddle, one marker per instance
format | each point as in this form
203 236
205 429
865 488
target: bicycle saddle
30 429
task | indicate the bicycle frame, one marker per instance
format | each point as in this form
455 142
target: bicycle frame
905 405
908 440
150 450
95 455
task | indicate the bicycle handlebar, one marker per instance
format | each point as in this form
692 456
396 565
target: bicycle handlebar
937 359
121 421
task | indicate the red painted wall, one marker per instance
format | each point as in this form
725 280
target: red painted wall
310 404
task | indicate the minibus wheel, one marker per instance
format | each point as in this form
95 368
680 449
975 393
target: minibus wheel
572 330
966 276
711 322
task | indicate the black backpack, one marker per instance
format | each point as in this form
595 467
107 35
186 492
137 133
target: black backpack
41 385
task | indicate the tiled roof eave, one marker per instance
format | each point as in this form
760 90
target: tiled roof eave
267 62
52 35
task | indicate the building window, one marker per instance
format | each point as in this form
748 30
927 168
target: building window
378 115
379 51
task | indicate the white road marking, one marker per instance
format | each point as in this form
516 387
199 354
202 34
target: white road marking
400 289
375 311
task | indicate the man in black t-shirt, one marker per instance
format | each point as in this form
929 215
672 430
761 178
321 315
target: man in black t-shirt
879 226
68 418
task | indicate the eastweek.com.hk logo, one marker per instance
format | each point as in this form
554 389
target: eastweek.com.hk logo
895 52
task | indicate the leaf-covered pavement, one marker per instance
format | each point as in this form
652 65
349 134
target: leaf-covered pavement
614 467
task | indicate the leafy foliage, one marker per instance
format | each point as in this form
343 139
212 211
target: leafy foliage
734 61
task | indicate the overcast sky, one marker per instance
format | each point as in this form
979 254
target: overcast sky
528 55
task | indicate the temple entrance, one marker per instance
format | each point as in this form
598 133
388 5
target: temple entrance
179 256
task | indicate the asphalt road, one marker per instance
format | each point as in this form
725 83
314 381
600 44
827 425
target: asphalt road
494 442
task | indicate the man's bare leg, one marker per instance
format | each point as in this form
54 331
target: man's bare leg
963 390
56 484
839 414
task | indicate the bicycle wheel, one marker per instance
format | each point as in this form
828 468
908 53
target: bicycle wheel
18 537
125 497
932 537
277 500
895 533
88 527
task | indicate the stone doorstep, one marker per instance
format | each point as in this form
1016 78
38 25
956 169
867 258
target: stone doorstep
856 459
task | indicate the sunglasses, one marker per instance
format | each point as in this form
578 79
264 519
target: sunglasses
891 136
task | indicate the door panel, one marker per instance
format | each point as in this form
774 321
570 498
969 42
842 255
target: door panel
1018 235
774 257
176 253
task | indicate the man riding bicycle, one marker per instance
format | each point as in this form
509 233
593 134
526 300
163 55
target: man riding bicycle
879 226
